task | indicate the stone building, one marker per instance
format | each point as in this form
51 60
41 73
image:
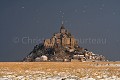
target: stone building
62 46
63 38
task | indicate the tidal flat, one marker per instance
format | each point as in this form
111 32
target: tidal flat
59 70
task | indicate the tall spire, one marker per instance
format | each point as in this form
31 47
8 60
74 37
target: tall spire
62 27
62 20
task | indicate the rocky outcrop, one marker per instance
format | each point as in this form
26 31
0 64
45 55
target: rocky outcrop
62 46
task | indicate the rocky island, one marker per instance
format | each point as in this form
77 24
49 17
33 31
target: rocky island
61 47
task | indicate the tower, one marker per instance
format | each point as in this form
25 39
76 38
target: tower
62 29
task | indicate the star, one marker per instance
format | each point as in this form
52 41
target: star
114 13
103 5
84 11
101 8
22 7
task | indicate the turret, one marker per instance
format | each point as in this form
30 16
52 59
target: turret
62 29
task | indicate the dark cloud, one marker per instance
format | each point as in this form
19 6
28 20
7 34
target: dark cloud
39 19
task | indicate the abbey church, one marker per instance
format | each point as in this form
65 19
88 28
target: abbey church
61 47
63 38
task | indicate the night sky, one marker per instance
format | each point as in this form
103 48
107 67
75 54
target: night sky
25 23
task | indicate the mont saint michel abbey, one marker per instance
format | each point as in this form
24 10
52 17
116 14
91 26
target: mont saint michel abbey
63 38
61 47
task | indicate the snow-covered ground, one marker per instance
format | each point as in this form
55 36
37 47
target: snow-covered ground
37 77
40 75
94 72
